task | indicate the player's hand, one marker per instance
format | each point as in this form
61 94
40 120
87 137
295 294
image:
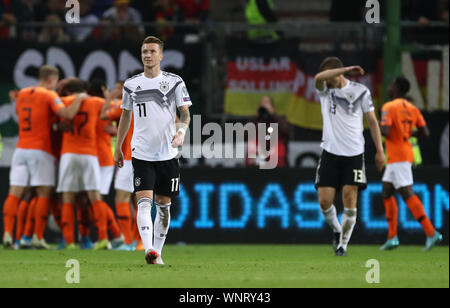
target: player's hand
83 96
118 158
178 140
106 93
380 160
110 129
356 71
13 95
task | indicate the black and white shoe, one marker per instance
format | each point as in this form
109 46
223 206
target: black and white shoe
336 240
340 252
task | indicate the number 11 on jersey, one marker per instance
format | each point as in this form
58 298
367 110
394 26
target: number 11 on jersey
142 110
175 184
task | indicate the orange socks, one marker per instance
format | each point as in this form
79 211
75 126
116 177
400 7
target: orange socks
416 208
112 224
124 219
21 219
41 216
68 223
10 208
84 221
29 225
100 219
390 204
56 208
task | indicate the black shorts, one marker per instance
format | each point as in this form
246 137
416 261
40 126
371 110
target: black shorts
163 177
338 171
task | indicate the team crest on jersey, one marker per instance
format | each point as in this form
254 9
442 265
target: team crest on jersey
137 182
164 86
351 96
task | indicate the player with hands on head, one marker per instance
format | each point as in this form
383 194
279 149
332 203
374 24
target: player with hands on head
344 103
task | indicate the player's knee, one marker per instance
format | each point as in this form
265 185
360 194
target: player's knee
325 203
44 191
386 194
406 193
349 198
16 191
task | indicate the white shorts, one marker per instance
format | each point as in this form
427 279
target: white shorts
399 174
124 177
32 168
78 173
106 177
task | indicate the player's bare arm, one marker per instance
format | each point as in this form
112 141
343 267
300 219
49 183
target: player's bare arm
109 97
182 126
385 130
376 137
124 126
70 112
422 132
321 78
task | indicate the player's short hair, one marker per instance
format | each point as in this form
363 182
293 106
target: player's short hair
330 63
402 85
47 71
75 85
155 40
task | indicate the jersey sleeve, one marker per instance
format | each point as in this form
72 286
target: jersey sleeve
367 103
386 117
182 95
322 93
127 100
55 102
420 122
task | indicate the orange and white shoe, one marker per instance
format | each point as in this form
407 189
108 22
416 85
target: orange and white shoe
152 257
140 246
7 241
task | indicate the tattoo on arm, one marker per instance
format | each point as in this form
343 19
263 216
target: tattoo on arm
185 117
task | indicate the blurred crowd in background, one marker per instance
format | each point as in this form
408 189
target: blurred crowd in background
122 19
98 14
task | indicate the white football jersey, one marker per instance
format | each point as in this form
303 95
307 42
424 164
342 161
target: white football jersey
154 102
342 112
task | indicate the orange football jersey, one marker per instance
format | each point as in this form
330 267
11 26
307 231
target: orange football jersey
82 138
401 116
114 114
105 156
35 107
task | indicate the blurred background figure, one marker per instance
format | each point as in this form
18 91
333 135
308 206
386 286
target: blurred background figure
267 115
122 14
164 13
194 10
261 12
30 11
9 10
52 7
80 34
53 32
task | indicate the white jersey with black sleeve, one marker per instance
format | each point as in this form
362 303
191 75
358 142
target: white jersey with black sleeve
342 112
154 102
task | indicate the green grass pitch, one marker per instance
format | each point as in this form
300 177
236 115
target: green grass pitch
229 266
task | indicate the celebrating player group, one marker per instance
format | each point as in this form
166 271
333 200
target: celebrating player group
64 163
